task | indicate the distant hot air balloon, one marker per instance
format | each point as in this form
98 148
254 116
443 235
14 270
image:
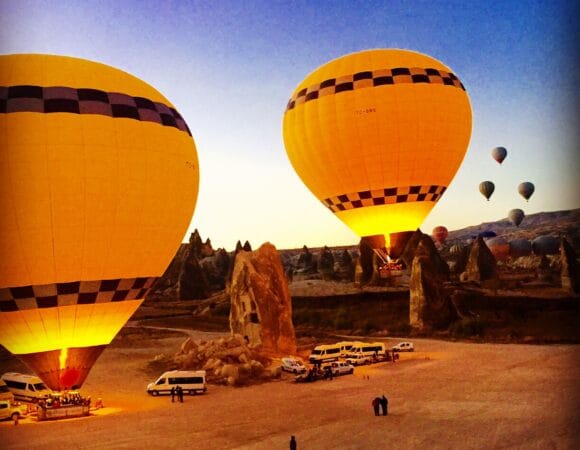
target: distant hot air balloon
526 189
351 132
486 188
499 247
546 245
439 234
99 182
516 216
499 154
520 247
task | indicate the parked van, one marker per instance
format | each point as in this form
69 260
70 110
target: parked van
191 381
26 388
5 393
324 353
374 350
345 347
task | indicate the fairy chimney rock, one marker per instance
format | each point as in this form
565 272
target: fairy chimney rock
481 264
261 306
429 305
569 274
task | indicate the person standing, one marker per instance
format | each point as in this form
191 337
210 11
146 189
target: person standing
292 443
172 394
376 402
384 405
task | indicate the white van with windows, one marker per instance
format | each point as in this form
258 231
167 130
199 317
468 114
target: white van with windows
191 381
5 393
324 353
26 388
375 351
345 347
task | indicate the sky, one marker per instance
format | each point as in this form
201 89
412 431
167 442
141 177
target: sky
230 67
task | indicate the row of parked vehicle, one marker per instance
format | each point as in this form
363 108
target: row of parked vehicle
357 353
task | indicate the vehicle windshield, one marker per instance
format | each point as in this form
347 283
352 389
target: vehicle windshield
40 386
316 352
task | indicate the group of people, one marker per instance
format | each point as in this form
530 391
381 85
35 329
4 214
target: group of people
380 403
177 391
64 399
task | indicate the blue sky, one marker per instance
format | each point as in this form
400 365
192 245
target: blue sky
230 67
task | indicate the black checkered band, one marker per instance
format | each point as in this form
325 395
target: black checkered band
374 78
386 196
56 99
74 293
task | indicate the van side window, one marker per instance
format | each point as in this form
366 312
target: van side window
15 384
3 405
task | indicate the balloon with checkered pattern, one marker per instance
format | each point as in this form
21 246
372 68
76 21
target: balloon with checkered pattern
377 136
98 182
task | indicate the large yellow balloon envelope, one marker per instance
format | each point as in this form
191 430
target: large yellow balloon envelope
98 183
377 136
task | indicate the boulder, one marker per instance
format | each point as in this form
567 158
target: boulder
261 306
430 307
569 271
188 346
481 264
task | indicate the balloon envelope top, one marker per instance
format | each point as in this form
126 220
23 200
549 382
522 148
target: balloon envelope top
99 182
377 136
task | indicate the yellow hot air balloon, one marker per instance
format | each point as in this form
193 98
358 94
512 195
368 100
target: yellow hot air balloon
377 136
98 182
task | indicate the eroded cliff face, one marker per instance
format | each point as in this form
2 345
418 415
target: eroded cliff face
261 306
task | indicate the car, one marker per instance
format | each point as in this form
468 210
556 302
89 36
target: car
10 410
341 368
191 381
358 359
293 365
404 347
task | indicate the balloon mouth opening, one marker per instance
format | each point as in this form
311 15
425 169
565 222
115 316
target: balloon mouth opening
63 369
392 244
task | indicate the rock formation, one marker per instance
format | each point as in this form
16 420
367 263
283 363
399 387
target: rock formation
366 262
481 265
408 253
569 273
306 262
344 266
429 307
326 263
261 307
226 361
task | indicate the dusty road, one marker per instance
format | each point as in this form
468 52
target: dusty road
446 395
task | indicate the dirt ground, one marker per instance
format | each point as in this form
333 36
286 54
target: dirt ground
445 395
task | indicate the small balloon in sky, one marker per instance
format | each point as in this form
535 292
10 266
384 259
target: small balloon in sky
439 234
526 189
516 216
486 188
499 154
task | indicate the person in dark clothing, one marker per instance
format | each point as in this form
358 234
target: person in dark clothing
172 394
180 393
376 402
292 443
384 405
